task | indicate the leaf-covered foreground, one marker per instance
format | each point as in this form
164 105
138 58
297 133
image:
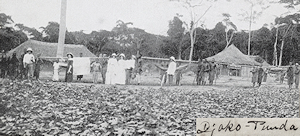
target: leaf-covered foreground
56 109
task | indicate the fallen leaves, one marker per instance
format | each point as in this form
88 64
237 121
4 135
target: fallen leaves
57 109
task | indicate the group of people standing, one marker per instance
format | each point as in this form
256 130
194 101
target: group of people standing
25 67
121 71
292 74
259 75
207 71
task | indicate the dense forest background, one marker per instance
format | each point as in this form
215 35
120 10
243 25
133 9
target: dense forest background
267 42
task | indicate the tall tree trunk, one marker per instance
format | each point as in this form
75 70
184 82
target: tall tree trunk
227 42
275 61
62 29
282 43
230 39
192 43
281 50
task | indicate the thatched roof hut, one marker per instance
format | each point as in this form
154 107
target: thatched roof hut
49 50
232 56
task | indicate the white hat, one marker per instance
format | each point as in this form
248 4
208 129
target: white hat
29 49
70 54
172 58
122 55
114 54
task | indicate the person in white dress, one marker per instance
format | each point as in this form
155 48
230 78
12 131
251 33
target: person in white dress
55 71
112 65
121 70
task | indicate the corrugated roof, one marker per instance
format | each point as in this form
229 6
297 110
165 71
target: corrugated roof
49 49
232 55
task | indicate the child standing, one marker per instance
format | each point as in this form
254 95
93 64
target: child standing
55 71
95 67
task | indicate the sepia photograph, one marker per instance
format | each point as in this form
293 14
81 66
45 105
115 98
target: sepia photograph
149 67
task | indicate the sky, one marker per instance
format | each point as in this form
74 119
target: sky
151 15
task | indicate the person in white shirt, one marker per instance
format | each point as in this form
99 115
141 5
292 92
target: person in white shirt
112 65
171 70
28 63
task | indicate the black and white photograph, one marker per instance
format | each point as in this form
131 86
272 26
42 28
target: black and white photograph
146 67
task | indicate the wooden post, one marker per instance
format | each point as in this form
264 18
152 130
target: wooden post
62 29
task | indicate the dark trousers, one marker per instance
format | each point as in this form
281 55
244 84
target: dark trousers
170 79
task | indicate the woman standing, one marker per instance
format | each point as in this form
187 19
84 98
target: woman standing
121 73
69 71
112 64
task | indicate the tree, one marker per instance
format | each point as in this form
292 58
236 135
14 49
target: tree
262 43
33 33
98 41
176 35
121 33
192 6
9 37
290 3
229 27
52 33
256 9
4 20
130 39
288 22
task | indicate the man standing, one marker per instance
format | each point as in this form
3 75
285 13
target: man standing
103 70
129 70
178 75
206 70
23 72
28 62
95 68
260 74
138 68
38 63
254 75
4 65
14 65
200 73
297 73
282 74
171 70
290 75
212 72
